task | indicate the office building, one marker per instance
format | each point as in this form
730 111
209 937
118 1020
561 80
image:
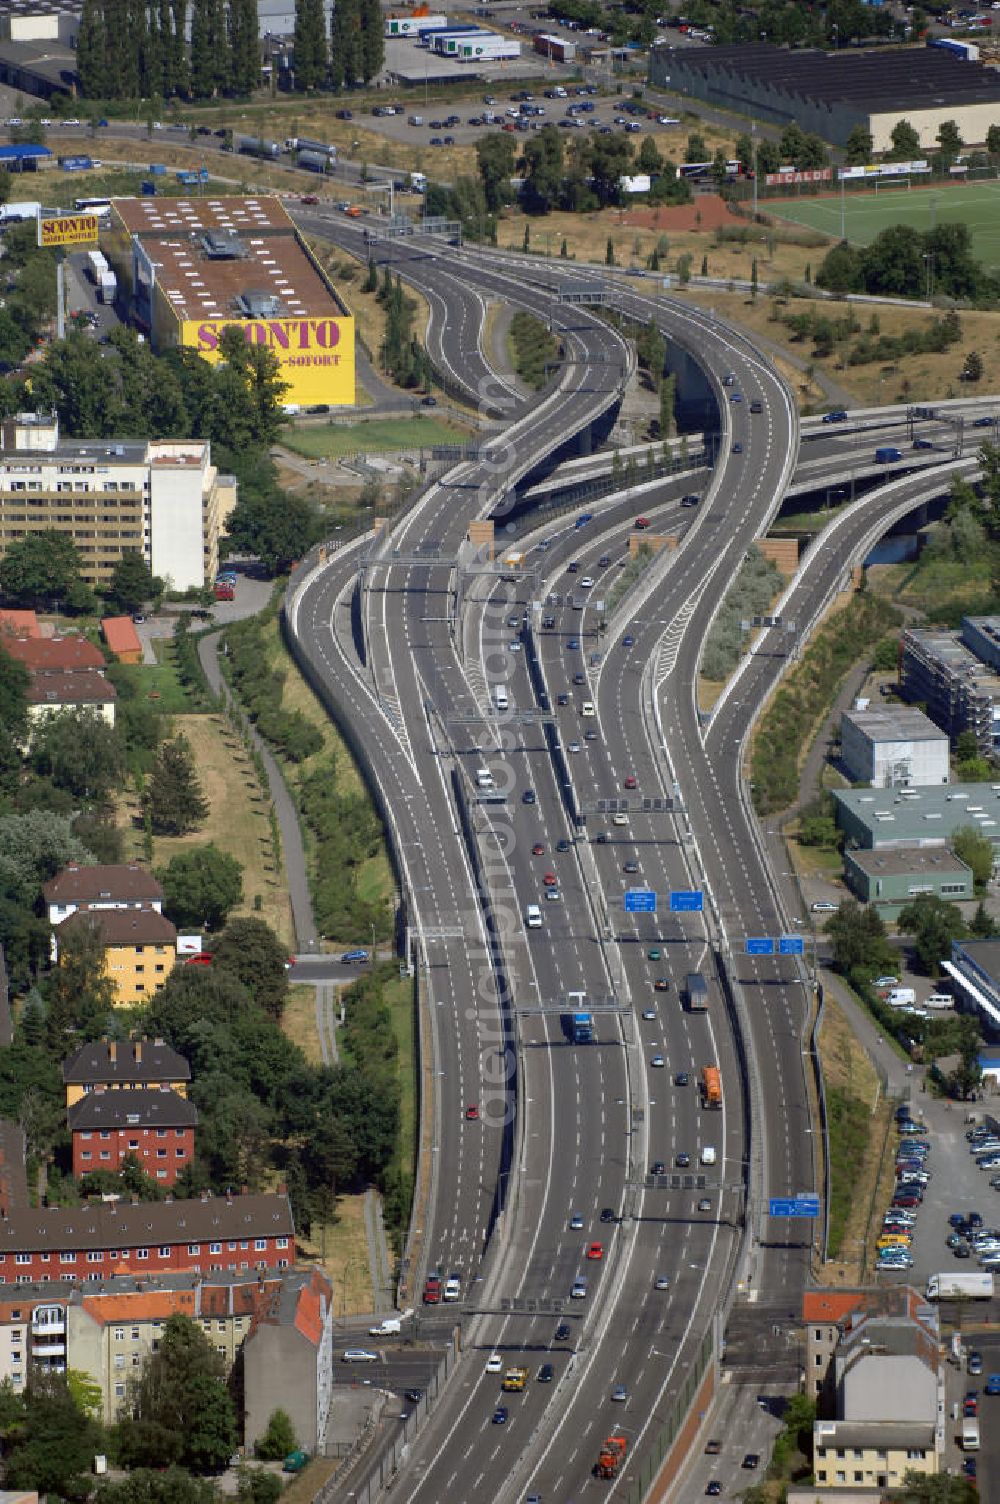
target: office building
890 878
876 819
960 691
893 746
161 498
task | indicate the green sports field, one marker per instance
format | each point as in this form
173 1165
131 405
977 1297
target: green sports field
977 204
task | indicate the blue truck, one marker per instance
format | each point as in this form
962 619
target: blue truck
583 1028
887 454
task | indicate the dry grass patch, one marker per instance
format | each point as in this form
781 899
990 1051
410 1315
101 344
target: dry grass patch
347 273
238 819
298 1022
342 1249
860 1126
931 376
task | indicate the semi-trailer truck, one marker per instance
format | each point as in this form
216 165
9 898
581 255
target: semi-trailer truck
696 992
583 1028
955 1285
107 288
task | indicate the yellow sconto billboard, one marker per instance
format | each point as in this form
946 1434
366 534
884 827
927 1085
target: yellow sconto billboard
68 229
316 354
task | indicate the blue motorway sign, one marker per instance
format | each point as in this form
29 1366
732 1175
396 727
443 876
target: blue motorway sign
687 901
759 945
640 901
794 1206
790 945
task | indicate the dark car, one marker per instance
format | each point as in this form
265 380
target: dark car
545 1373
682 1161
500 1415
751 1460
608 1215
657 1167
713 1488
561 1331
414 1396
563 845
681 1078
628 641
975 1363
630 866
528 797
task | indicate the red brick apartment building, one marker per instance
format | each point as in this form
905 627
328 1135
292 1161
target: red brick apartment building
157 1127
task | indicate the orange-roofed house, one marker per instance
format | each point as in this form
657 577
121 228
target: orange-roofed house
288 1360
122 638
17 624
828 1315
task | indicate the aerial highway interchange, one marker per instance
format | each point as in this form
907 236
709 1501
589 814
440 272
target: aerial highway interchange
495 710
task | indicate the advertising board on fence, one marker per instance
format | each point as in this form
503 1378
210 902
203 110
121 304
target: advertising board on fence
785 176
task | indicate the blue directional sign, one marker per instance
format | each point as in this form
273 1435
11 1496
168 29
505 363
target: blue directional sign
794 1206
640 901
790 945
759 945
687 901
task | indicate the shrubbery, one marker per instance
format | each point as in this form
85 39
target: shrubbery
259 685
753 590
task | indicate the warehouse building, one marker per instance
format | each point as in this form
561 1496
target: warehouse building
831 93
893 746
942 671
191 268
880 819
890 879
162 498
975 969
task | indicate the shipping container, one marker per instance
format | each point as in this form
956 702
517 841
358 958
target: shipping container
410 26
557 48
107 288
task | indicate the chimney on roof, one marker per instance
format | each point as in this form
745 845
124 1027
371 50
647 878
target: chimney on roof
138 1047
113 1050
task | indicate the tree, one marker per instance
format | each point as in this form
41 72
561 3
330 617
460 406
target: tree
310 44
860 146
859 941
34 846
275 527
14 682
200 887
53 1450
696 149
259 416
972 367
79 752
993 140
41 569
982 925
257 1486
91 52
180 1410
894 262
209 53
933 924
976 851
495 156
132 583
345 43
146 1486
279 1439
81 995
542 165
943 1488
372 43
949 140
905 143
250 951
649 159
86 1393
175 803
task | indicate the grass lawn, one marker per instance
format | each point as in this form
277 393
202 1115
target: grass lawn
237 821
866 214
342 1248
304 1486
333 441
159 682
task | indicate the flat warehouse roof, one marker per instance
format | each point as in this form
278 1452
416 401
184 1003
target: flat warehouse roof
197 286
907 861
150 217
927 814
887 79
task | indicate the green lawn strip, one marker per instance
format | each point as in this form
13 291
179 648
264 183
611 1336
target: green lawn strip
849 1121
160 683
334 441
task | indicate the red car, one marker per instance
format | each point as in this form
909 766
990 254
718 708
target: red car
550 880
538 849
595 1251
642 523
309 198
432 1290
472 1113
630 782
203 958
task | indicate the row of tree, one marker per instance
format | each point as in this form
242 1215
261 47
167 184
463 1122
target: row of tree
905 262
141 49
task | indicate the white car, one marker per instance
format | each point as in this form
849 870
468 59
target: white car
494 1363
586 583
358 1355
657 1062
825 908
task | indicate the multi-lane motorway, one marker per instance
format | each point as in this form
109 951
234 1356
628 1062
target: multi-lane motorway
578 1161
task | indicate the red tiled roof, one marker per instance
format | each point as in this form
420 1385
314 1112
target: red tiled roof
81 688
126 926
308 1316
17 623
143 1305
831 1305
61 653
120 635
123 882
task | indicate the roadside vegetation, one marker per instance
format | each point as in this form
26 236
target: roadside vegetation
532 347
758 583
805 696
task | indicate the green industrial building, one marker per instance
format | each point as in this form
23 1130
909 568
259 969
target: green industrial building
917 818
889 879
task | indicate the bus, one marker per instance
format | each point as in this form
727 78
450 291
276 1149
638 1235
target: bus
734 169
99 206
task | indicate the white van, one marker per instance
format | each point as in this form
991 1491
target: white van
708 1155
587 708
619 819
533 916
484 778
500 699
939 1000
